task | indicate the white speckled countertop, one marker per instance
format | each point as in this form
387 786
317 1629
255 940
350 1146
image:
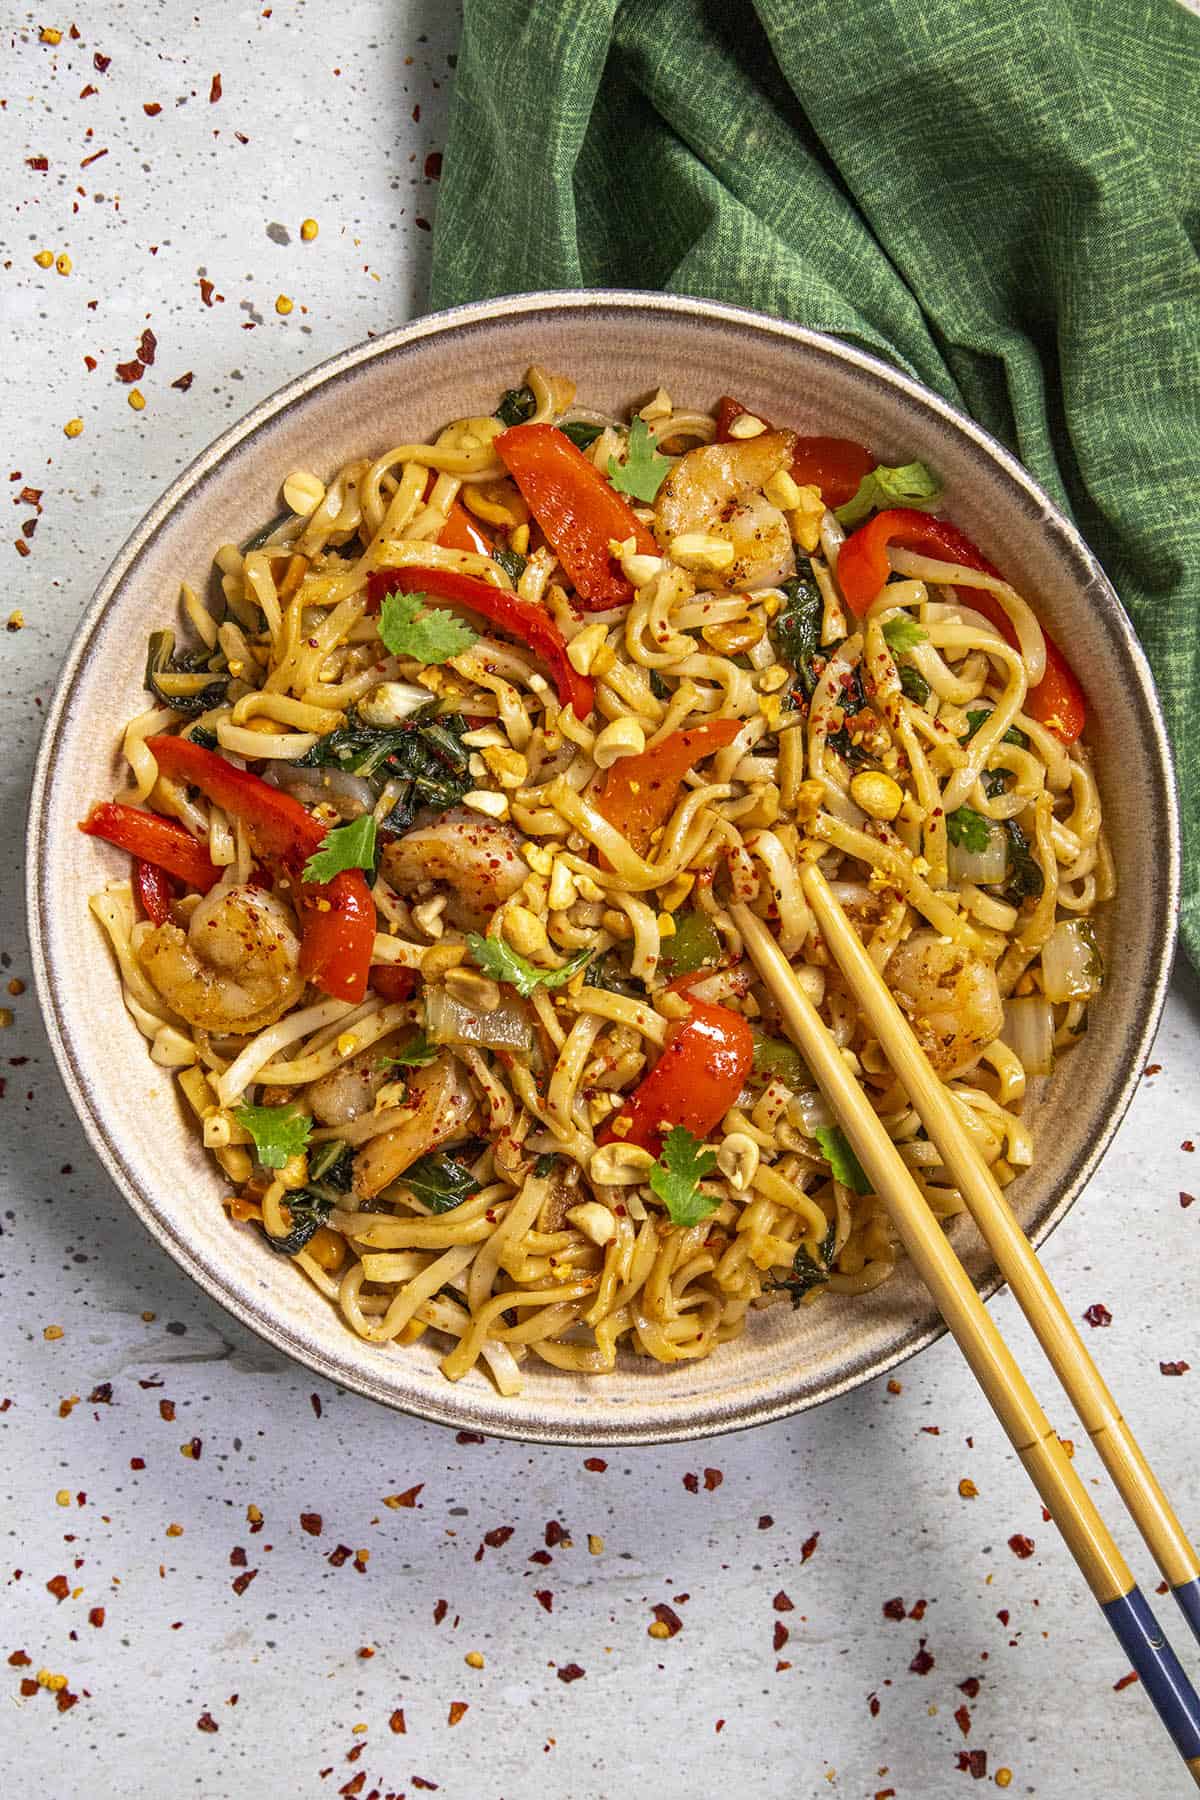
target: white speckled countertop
205 1510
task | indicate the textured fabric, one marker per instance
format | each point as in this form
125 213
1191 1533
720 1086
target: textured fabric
1003 200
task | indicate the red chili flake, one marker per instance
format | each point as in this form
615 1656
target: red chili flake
932 1430
781 1603
422 224
21 547
42 163
96 154
922 1662
1098 1314
969 1687
1187 1145
101 1395
100 62
31 497
243 1581
553 1535
338 1556
184 382
1152 1069
214 92
570 1672
457 1710
918 1610
962 1718
429 1787
712 1479
151 108
440 1609
396 1722
692 1483
65 1699
137 1462
206 1722
544 1598
360 1561
314 1400
973 1763
873 1705
780 1637
85 93
311 1522
241 137
193 1449
237 1557
596 1464
808 1546
1173 1368
19 1660
765 1522
1186 1200
543 1557
433 166
885 1794
1125 1681
28 1686
59 1586
468 1437
407 1498
355 1785
1004 1615
166 1410
1021 1546
96 1617
893 1609
153 1381
147 345
500 1535
206 290
666 1615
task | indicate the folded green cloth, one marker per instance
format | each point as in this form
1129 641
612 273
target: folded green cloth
995 197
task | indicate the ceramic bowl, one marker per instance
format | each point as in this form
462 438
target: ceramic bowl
615 346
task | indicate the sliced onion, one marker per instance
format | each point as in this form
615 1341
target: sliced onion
809 1109
314 785
449 1020
1072 968
1029 1031
982 867
391 703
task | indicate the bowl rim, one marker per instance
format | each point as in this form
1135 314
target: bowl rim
595 1426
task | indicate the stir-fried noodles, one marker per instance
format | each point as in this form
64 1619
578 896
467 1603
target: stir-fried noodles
437 820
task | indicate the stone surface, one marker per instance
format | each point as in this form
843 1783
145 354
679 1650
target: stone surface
96 1487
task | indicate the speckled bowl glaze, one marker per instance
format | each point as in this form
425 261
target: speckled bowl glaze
616 346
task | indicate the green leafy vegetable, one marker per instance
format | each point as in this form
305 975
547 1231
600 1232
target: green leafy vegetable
440 1180
511 561
185 681
409 625
503 963
545 1164
913 684
968 830
581 434
308 1211
902 633
1025 878
278 1132
677 1175
424 758
841 1158
796 631
345 847
977 717
516 405
201 735
416 1054
694 945
995 781
610 974
910 484
777 1059
644 470
332 1165
807 1273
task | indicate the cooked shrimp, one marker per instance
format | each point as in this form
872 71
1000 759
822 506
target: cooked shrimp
236 968
441 1105
718 490
951 997
478 860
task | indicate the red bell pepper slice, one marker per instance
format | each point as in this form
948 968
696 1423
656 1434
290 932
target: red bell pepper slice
154 890
337 917
521 619
462 532
153 839
835 465
695 1081
1057 702
577 509
639 792
391 982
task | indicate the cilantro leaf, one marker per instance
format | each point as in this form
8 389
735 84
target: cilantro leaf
910 484
503 963
841 1158
279 1132
644 470
416 1054
677 1175
902 633
345 847
410 626
968 830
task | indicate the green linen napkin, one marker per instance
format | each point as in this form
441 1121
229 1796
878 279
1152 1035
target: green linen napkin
995 197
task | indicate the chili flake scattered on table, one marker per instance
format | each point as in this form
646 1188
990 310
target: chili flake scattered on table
570 1672
923 1661
967 1488
52 1333
1020 1545
396 1722
407 1498
1098 1314
457 1709
1173 1368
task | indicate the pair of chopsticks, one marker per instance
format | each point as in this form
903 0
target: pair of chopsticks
1011 1398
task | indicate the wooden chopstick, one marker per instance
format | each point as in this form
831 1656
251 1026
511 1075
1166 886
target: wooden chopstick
1032 1436
1036 1295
